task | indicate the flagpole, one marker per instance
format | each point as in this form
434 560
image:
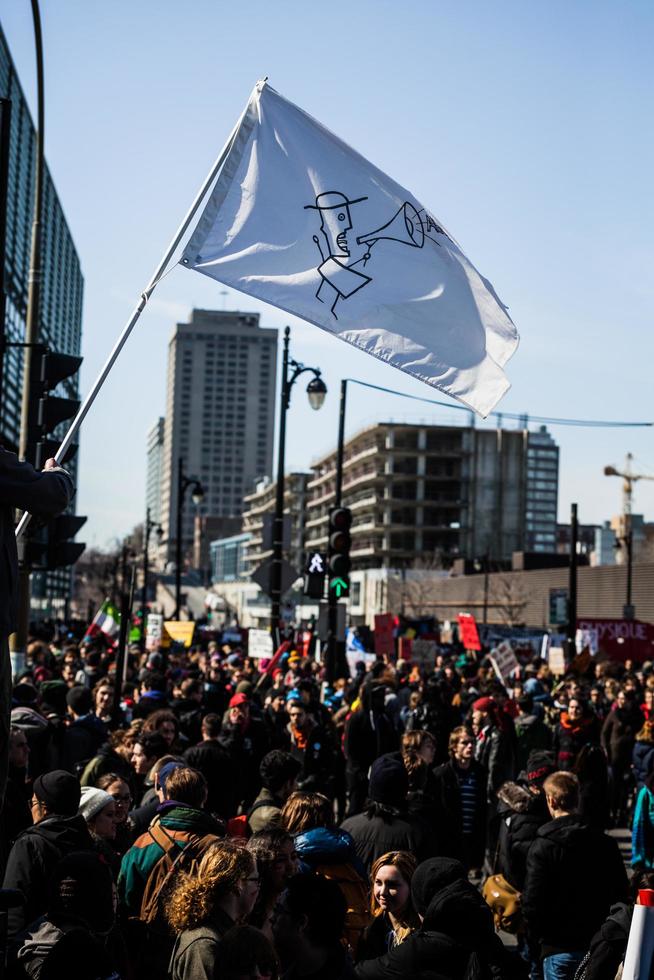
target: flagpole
140 306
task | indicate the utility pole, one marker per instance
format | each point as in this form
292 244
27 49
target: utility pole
572 582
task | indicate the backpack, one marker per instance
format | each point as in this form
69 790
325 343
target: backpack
149 936
355 893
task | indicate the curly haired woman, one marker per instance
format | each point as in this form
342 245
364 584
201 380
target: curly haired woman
202 907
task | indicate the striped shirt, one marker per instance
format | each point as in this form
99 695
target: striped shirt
468 792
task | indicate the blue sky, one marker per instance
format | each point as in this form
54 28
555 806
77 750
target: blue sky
526 128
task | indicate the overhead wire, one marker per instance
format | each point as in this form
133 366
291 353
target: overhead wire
523 417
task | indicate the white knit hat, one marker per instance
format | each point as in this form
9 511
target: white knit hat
92 801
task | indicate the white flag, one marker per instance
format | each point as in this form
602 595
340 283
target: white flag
300 220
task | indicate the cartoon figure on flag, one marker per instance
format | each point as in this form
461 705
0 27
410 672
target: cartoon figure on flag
337 267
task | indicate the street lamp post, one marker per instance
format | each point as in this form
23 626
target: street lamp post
150 526
197 495
316 391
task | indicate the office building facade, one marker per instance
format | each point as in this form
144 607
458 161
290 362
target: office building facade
154 469
62 285
220 415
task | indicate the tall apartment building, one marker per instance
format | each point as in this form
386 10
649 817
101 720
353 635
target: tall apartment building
154 470
60 314
258 513
436 491
220 414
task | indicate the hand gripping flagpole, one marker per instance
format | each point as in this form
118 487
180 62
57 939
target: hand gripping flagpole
140 306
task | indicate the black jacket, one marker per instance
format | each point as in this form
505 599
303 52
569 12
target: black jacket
377 834
449 817
458 924
82 741
609 945
369 733
246 748
574 875
32 861
619 734
521 814
44 494
495 751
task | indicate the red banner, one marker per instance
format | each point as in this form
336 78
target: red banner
622 639
468 632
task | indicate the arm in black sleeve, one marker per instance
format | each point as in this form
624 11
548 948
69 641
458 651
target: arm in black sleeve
47 493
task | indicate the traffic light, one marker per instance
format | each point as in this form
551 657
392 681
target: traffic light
47 411
340 522
51 547
314 575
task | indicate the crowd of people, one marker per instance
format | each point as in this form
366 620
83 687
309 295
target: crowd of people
216 818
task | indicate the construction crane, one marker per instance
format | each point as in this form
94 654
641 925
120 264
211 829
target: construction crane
628 480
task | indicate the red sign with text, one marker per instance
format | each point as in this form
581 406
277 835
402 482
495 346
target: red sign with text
622 639
468 632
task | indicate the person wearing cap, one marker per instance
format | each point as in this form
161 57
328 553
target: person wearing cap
85 733
245 739
522 810
58 830
385 825
456 938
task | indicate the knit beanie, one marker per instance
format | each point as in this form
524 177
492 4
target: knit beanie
92 801
59 791
540 765
389 783
483 704
431 877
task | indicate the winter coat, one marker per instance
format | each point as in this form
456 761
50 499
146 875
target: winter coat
369 733
317 759
378 939
457 924
32 861
521 814
189 712
449 815
48 952
378 830
45 494
246 747
81 742
331 853
642 832
495 751
570 737
195 955
574 875
184 824
619 734
15 816
642 760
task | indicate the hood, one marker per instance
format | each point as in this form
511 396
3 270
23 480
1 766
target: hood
91 723
325 845
178 816
64 833
37 942
516 797
25 717
567 832
459 911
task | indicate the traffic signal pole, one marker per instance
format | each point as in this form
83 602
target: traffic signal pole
332 601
